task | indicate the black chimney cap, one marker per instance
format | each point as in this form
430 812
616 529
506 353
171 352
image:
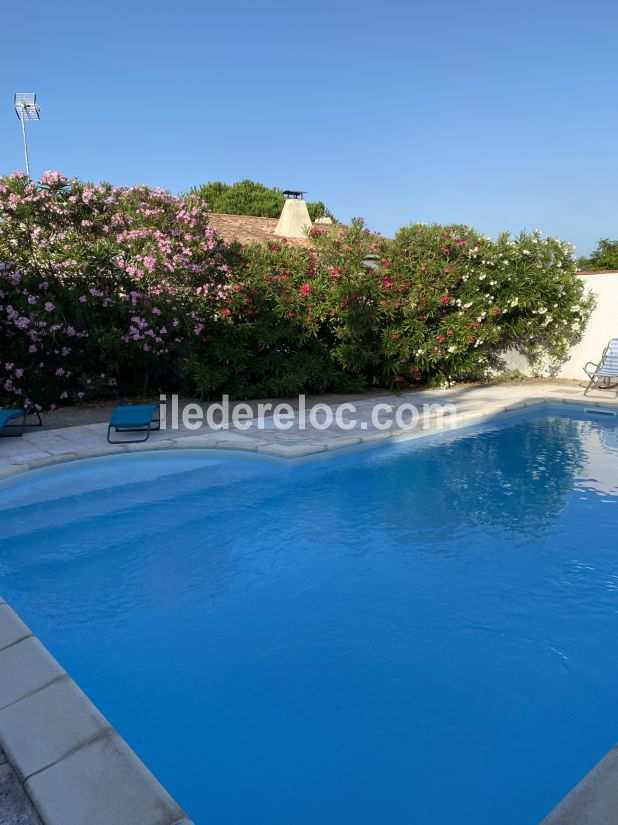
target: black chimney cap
293 193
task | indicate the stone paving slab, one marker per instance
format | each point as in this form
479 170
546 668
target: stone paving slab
102 783
46 726
12 629
594 801
25 667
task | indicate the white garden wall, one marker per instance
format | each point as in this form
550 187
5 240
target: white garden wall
602 326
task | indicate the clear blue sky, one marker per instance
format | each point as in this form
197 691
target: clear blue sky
498 115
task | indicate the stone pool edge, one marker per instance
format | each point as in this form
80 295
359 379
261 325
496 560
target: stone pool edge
73 765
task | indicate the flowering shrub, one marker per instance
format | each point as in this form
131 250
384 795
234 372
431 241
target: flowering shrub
103 286
457 300
298 319
436 305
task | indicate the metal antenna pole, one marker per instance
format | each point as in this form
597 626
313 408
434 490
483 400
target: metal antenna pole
23 132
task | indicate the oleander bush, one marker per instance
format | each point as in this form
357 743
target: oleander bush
105 288
442 304
457 300
102 287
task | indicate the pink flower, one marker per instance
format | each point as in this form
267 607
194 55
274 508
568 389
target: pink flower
305 290
53 179
439 338
150 263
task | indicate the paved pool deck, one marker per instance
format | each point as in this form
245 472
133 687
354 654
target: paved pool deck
43 448
64 763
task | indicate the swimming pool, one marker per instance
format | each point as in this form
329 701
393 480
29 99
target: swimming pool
423 632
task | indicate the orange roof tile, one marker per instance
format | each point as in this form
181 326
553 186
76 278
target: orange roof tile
250 229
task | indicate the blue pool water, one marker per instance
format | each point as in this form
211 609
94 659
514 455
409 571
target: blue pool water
421 633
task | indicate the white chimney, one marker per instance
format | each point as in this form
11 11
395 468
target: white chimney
294 220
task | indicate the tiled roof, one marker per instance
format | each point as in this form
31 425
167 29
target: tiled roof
249 229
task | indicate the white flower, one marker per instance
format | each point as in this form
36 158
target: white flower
525 252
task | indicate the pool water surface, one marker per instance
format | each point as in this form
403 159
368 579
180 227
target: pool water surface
418 633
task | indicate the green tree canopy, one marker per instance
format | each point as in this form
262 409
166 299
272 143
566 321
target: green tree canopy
605 256
246 197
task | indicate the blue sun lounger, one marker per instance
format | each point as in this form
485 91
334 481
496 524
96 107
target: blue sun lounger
133 418
15 419
606 370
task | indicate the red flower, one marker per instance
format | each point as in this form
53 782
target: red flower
399 378
445 299
439 338
450 332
